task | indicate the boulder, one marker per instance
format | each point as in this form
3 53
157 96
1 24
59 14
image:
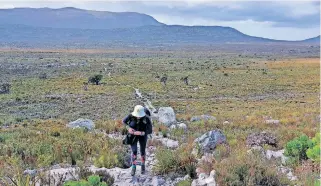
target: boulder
272 121
166 116
170 143
276 154
226 122
182 126
288 172
260 139
202 117
173 127
82 123
158 181
205 180
32 173
257 149
210 140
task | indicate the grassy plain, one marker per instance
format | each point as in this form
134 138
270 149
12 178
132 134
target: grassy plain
244 90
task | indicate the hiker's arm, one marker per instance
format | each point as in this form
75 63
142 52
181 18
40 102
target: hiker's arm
126 120
126 123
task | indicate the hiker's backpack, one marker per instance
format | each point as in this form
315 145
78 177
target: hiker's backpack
149 127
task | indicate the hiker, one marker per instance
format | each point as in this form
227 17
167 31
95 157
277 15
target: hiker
138 124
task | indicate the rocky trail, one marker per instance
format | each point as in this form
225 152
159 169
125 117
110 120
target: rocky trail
165 115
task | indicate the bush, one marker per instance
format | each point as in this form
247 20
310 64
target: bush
313 152
248 169
43 76
296 149
95 79
107 159
184 183
91 181
167 161
5 88
180 161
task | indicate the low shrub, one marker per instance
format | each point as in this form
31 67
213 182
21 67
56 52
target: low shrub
184 183
107 159
93 180
248 169
180 161
303 148
296 149
313 152
95 79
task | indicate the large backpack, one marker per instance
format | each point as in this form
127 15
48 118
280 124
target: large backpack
149 127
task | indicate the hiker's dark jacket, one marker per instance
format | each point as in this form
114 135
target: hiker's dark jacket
141 124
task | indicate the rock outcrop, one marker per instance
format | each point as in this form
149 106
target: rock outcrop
259 139
166 116
210 140
82 123
202 117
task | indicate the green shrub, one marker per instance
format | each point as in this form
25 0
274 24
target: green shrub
191 170
167 161
180 161
43 76
248 169
19 119
296 149
184 183
91 181
313 152
95 79
107 159
55 134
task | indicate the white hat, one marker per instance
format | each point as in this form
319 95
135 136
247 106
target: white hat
139 111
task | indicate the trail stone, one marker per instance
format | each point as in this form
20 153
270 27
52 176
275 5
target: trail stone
202 117
272 121
79 123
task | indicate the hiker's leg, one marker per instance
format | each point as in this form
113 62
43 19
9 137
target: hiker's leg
142 143
134 153
134 157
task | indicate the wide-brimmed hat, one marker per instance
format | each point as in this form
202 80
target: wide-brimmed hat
139 111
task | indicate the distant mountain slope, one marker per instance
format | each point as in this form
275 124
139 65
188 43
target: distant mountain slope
71 25
313 40
74 18
141 35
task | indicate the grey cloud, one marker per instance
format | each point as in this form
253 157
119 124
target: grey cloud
279 14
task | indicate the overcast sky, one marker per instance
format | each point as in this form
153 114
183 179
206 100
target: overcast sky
290 20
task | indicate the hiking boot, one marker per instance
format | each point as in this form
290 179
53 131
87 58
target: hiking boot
133 170
143 168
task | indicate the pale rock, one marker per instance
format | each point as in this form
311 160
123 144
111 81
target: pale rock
82 123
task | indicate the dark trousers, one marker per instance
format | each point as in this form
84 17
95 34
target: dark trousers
142 142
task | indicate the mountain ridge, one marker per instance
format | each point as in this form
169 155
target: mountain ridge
70 17
109 27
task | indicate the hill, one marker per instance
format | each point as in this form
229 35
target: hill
313 40
74 18
146 35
